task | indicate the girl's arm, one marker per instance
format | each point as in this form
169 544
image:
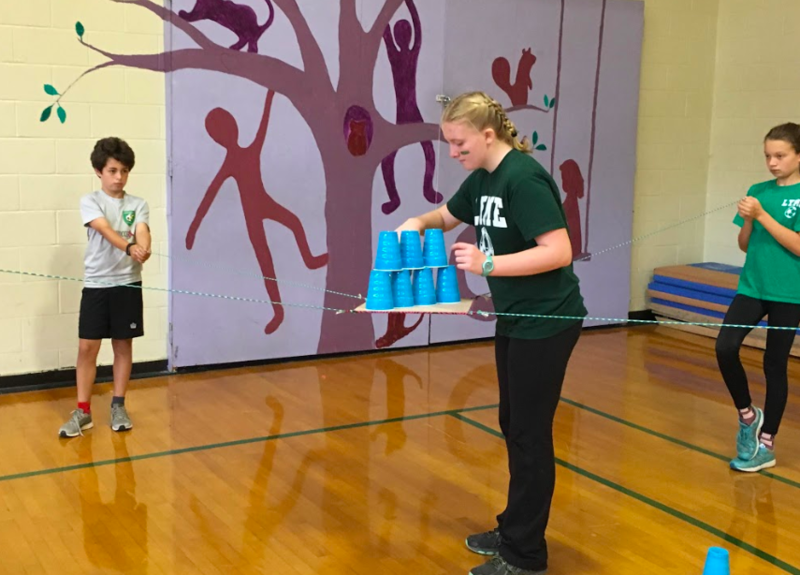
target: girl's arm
554 251
789 239
440 218
744 234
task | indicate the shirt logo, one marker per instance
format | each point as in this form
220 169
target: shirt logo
490 213
485 244
129 217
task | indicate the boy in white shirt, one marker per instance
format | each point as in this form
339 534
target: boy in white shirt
118 230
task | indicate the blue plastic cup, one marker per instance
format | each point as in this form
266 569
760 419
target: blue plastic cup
434 254
411 250
387 257
717 562
447 285
379 294
403 290
424 292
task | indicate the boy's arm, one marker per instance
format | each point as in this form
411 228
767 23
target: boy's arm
101 226
141 236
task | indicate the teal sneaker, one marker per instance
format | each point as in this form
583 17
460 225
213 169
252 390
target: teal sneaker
764 459
498 566
487 543
747 438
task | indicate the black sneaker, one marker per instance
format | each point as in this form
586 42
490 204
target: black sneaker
487 543
499 566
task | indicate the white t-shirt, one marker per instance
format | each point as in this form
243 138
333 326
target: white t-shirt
102 261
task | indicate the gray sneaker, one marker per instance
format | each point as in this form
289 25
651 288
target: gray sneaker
119 418
78 421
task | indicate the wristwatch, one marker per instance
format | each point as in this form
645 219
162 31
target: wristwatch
488 266
128 248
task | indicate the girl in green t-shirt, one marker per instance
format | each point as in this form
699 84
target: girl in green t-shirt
769 285
526 255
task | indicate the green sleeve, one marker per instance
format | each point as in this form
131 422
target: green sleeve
460 205
535 208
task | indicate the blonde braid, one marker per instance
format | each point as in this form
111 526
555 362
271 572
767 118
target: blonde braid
483 111
508 131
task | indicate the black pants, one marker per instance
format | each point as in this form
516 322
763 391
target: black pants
530 372
746 310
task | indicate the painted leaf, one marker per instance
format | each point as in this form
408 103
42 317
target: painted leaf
49 89
535 138
46 113
62 114
541 147
546 101
552 103
79 29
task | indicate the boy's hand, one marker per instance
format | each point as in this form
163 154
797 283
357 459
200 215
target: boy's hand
139 254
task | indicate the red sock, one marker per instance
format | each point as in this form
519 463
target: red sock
84 405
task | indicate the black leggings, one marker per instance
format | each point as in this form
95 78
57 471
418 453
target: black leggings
530 373
745 310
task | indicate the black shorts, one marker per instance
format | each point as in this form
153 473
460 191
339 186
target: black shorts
114 313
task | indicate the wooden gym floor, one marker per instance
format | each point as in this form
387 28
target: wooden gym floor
382 464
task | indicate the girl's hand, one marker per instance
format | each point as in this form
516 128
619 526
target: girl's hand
469 258
750 208
411 224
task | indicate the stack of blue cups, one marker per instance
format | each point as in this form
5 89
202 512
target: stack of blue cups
403 291
390 282
380 296
447 285
434 253
424 292
411 250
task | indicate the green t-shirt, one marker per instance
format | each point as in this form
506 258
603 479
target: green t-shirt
771 272
509 208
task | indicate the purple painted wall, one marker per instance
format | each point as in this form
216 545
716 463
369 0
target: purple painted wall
343 150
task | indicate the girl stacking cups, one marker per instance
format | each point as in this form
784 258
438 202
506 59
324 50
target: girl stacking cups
526 255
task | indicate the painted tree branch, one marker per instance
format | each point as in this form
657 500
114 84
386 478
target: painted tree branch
526 107
401 135
85 73
313 59
375 35
263 70
385 16
351 66
168 15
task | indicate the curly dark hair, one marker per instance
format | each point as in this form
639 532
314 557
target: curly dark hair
112 148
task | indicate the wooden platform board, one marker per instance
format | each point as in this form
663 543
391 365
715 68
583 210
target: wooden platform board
699 275
757 338
461 308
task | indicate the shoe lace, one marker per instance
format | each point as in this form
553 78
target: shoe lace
76 417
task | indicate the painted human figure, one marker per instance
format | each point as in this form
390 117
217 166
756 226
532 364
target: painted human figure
403 57
396 330
573 186
243 164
